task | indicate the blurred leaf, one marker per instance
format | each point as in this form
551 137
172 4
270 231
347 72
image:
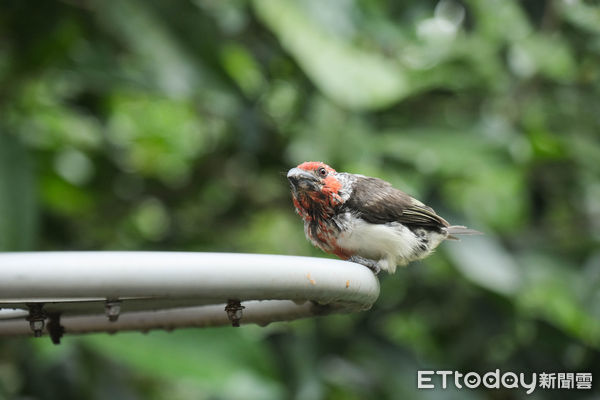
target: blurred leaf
482 260
74 166
62 197
156 50
215 359
18 205
157 136
329 133
443 149
580 13
412 331
493 194
352 77
151 219
279 232
500 20
242 68
42 119
553 292
550 56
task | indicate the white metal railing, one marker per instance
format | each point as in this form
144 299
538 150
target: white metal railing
80 292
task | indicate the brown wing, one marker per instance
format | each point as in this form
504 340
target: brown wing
377 202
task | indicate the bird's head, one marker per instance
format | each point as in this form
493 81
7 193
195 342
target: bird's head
315 185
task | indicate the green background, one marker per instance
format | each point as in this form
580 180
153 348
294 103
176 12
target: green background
159 125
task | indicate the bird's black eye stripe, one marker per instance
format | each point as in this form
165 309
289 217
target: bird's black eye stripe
322 171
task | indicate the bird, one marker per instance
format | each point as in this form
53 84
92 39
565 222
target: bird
365 219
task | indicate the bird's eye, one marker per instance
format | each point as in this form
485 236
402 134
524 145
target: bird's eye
322 171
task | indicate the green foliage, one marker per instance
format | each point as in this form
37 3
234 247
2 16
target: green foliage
18 209
169 126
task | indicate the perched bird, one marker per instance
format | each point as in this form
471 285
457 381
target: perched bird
364 219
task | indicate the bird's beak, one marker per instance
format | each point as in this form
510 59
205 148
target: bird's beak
301 180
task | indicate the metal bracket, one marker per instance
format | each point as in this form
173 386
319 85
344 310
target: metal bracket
112 309
234 311
55 329
37 318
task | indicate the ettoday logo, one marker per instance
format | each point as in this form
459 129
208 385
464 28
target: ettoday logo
509 380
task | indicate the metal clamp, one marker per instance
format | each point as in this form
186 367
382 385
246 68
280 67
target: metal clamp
234 311
37 318
112 309
55 329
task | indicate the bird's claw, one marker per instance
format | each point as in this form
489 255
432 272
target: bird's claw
371 264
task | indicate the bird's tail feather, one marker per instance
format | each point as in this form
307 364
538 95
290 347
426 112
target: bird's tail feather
460 230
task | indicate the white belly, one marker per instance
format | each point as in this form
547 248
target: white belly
392 244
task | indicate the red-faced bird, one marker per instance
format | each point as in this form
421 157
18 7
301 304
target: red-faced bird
364 219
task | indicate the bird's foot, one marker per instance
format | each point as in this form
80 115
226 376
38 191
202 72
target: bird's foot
371 264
